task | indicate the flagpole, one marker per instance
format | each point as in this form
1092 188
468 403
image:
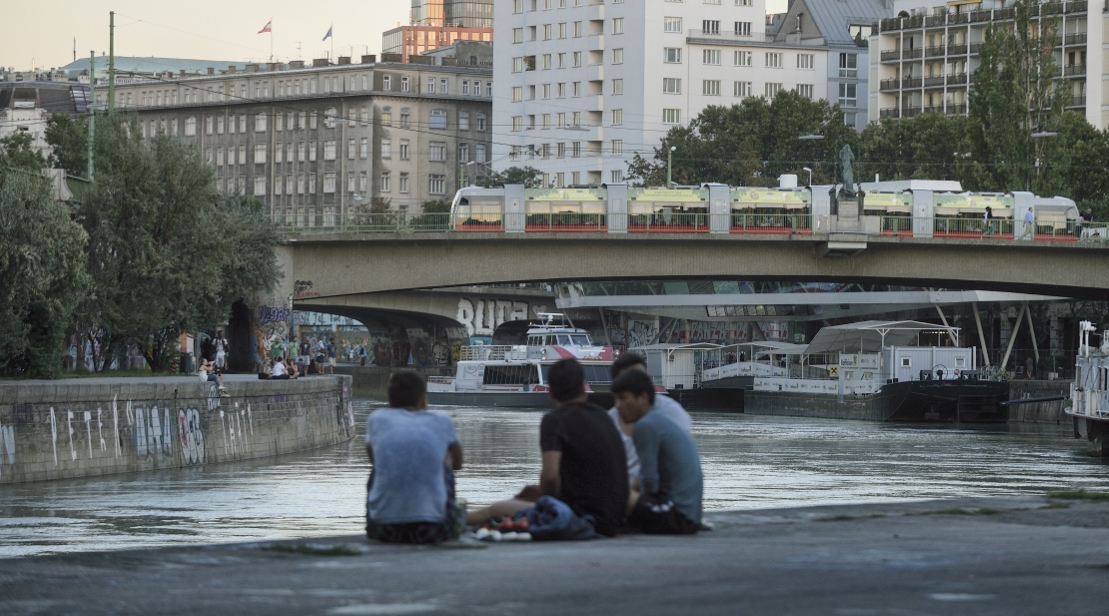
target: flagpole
271 39
332 31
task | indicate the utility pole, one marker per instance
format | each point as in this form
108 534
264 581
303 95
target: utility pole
92 106
111 62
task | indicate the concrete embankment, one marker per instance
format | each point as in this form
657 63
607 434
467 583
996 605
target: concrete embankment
373 381
90 427
1013 555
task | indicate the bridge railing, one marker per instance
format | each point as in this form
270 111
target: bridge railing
998 228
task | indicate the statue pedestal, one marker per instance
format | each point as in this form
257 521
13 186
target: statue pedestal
847 218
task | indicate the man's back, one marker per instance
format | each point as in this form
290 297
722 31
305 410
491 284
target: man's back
669 462
409 452
593 469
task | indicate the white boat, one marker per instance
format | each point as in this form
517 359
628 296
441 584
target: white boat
516 375
1089 393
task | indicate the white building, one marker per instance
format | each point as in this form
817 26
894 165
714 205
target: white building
581 85
25 107
923 60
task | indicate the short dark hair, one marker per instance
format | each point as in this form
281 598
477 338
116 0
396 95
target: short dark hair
627 360
635 382
406 388
565 379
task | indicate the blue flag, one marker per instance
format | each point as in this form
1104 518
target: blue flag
328 35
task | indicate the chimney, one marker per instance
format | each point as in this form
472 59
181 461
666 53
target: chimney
182 72
319 62
296 64
231 69
344 60
371 59
211 70
274 66
251 68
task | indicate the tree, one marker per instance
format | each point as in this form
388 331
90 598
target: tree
166 253
750 144
530 177
1015 95
69 137
41 265
928 146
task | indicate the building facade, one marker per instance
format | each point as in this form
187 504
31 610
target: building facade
459 13
315 144
583 85
924 59
411 41
26 105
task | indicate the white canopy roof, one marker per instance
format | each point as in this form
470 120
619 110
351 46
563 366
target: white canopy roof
662 346
870 336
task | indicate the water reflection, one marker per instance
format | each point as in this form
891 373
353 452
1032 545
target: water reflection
749 462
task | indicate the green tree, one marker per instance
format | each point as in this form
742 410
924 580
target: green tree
529 176
1015 95
69 138
750 144
928 146
41 265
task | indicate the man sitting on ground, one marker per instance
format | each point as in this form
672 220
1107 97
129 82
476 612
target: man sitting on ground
410 495
670 467
583 458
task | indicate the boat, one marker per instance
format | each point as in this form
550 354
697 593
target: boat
866 370
516 375
1089 393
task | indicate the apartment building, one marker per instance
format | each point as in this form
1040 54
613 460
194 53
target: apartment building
25 106
314 142
459 13
582 85
924 58
411 41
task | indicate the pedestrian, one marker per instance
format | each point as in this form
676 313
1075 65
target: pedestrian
207 372
987 222
321 355
1084 222
1029 225
305 351
279 370
414 453
1029 368
222 347
332 349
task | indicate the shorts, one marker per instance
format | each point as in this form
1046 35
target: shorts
416 532
657 515
331 361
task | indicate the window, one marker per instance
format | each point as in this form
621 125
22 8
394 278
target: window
849 65
437 151
329 150
712 1
312 120
617 146
743 28
328 183
260 186
481 122
403 184
279 123
561 120
351 182
618 25
517 35
260 154
385 181
741 88
463 120
479 153
364 151
219 156
259 123
577 29
710 87
561 90
576 89
617 86
302 122
575 150
430 85
278 185
404 117
219 126
562 30
672 55
546 91
773 59
561 60
517 6
848 94
671 116
742 58
289 185
386 148
352 149
387 82
300 184
438 119
546 61
672 24
616 176
546 120
300 151
617 117
242 154
209 122
436 184
404 84
517 123
618 56
560 150
805 60
190 127
463 152
362 182
671 85
517 94
465 87
546 32
404 151
312 151
772 89
518 65
710 26
804 90
710 57
577 59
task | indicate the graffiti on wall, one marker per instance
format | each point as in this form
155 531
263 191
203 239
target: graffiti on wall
191 436
302 289
481 316
641 333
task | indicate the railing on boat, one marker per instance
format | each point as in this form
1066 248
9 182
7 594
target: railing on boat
486 352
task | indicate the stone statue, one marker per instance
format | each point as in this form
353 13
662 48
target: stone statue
846 157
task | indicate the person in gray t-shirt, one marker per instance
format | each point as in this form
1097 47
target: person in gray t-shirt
413 451
671 480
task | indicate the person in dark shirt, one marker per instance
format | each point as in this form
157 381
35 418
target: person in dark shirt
583 458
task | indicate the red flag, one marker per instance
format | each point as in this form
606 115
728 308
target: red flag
268 28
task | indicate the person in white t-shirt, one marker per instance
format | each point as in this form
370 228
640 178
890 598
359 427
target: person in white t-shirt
279 371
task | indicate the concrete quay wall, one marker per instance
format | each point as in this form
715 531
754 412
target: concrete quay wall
373 381
74 428
1050 412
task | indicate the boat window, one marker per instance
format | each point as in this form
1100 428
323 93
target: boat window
563 339
594 373
960 362
520 374
580 339
550 340
906 362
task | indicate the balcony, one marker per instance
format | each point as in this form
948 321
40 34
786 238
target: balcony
934 52
974 47
1078 38
957 80
1081 6
957 50
1077 101
1074 70
910 83
934 82
894 23
955 109
1052 8
933 110
910 54
889 85
910 112
895 55
893 113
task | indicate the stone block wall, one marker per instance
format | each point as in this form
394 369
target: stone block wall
72 429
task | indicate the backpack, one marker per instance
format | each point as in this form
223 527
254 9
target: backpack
553 520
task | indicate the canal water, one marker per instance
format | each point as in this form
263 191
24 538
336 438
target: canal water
749 462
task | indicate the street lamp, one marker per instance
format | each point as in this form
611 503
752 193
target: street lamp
810 174
462 172
669 180
1036 152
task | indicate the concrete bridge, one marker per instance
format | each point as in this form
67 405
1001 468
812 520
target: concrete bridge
322 266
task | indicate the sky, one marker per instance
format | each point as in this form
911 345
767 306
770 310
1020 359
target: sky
44 30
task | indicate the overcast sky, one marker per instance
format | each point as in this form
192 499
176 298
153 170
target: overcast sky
42 32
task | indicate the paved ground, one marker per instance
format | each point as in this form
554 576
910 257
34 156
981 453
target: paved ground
1024 555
